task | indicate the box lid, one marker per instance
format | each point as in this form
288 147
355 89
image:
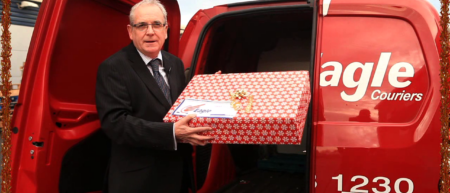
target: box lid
280 103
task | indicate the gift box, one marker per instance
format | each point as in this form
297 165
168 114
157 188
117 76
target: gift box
278 106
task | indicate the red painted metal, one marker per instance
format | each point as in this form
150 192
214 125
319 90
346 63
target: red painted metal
399 139
372 138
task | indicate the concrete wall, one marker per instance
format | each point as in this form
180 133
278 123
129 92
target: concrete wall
20 42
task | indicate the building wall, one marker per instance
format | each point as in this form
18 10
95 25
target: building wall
20 42
23 20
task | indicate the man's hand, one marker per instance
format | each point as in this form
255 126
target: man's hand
189 134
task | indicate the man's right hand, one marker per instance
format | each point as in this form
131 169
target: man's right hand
190 134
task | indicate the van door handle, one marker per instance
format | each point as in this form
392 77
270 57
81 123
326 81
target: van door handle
68 118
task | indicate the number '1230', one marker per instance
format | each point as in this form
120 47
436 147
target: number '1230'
383 183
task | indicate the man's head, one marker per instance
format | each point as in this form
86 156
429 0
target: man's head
148 27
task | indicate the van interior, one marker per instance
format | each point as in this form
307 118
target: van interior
275 39
263 41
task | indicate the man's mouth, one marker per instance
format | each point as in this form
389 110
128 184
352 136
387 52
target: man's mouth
150 41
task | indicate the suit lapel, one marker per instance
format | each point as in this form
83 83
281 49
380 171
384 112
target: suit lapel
171 76
144 74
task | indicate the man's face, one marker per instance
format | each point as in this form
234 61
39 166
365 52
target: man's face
150 41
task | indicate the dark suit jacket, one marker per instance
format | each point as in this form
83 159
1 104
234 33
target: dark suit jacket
131 107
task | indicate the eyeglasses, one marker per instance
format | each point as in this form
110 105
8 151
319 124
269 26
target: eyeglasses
144 26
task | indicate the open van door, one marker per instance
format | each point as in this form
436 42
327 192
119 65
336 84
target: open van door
58 146
254 36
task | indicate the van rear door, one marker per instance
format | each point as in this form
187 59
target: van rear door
57 147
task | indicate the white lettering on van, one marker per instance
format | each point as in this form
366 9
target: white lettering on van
398 70
326 6
394 73
361 84
335 74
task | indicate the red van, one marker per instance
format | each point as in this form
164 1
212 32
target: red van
373 123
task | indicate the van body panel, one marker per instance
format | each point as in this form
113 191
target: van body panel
366 143
57 103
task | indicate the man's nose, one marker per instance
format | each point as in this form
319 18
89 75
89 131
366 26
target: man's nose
150 30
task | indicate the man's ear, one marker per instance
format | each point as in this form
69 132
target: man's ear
167 30
129 29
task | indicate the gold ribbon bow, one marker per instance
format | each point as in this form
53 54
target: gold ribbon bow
239 95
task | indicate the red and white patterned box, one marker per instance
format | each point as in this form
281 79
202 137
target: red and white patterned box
278 113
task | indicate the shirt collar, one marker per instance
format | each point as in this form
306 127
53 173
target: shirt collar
148 59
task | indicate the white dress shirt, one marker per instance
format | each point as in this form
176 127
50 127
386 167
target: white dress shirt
163 74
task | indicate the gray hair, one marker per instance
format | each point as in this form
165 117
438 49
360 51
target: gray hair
148 2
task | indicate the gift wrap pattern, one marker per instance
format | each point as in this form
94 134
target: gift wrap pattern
278 113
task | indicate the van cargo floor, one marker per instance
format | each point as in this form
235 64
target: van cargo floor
260 181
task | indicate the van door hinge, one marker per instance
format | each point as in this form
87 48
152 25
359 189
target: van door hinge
38 143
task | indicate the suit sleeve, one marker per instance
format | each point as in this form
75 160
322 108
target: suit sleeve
114 109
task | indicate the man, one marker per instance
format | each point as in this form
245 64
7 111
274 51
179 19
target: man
135 89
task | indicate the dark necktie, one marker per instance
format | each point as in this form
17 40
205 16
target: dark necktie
155 63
